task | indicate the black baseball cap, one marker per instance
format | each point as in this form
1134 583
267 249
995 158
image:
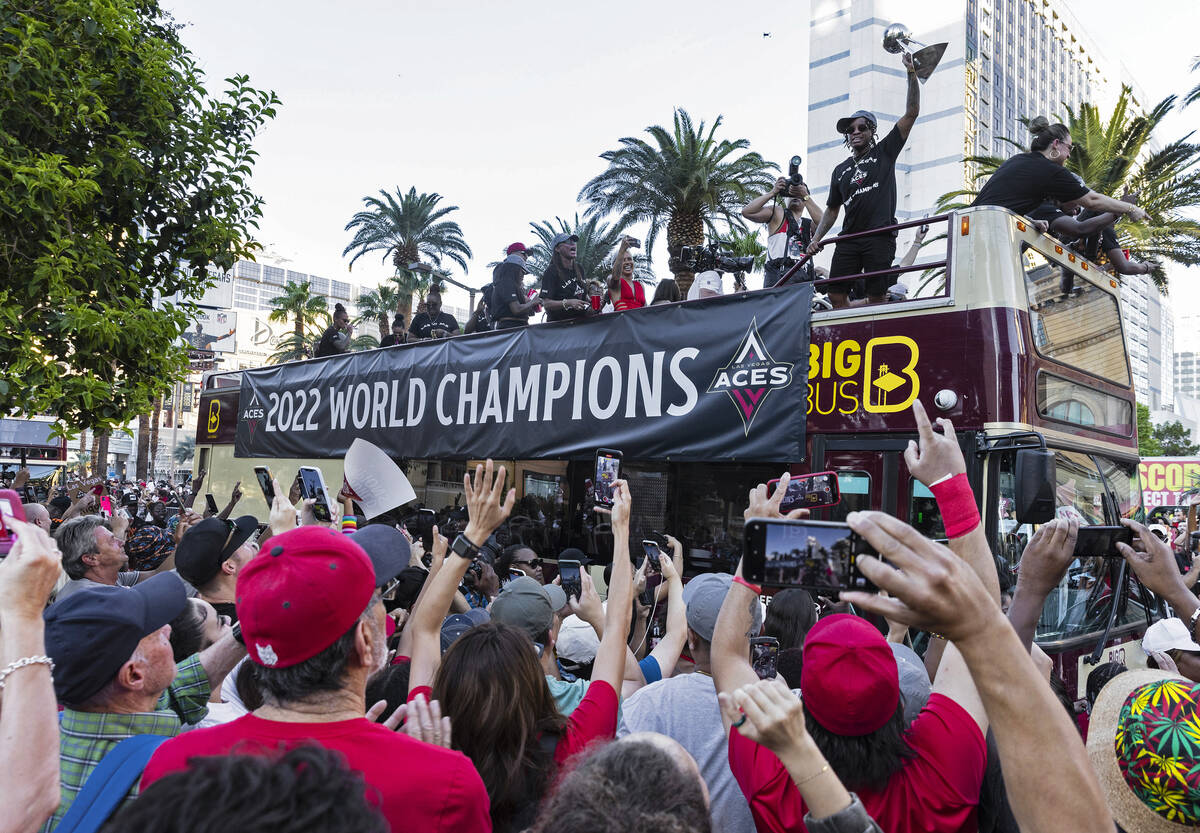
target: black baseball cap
843 124
94 631
207 545
387 548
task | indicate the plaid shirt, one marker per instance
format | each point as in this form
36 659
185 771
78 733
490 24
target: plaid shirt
86 737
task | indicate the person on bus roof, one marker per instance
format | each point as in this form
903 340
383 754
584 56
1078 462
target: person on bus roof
788 232
336 338
866 185
1027 180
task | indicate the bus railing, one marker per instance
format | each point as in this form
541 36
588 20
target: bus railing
875 232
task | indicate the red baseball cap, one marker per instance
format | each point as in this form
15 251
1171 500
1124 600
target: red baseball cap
514 248
301 594
850 681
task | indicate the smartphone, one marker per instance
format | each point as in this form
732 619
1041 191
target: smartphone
764 656
106 506
211 502
312 485
653 580
653 553
1102 541
10 507
569 577
265 482
608 470
819 556
808 491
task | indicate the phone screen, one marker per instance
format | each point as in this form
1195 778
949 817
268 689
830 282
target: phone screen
819 556
1101 541
212 504
572 584
312 485
809 491
764 656
653 553
263 475
608 470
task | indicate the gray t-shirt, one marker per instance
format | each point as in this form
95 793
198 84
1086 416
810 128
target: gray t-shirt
685 708
126 579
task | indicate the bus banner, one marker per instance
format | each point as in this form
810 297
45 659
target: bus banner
719 379
1167 481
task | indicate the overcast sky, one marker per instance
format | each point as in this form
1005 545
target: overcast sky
503 108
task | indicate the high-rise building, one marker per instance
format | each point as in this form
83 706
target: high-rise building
1187 374
1149 339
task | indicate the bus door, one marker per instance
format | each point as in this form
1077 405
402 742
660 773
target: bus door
869 474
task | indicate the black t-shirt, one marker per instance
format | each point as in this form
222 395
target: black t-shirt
1026 180
507 286
390 340
423 325
560 286
334 341
867 186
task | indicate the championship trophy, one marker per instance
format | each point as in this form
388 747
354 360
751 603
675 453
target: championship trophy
897 39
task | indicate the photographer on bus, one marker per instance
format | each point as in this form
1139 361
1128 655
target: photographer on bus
788 231
866 185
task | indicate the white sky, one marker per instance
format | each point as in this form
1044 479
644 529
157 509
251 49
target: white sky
503 108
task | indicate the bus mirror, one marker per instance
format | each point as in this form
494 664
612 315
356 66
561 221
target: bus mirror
1035 486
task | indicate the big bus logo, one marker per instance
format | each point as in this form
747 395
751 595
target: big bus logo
750 375
214 416
847 376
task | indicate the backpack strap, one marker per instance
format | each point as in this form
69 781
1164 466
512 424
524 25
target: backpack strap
108 784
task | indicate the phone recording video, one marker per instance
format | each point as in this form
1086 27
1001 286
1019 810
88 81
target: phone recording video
211 503
819 556
263 475
10 508
570 579
312 485
653 554
608 471
764 656
808 491
1102 541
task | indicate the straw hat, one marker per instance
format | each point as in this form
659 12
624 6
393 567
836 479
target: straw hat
1144 742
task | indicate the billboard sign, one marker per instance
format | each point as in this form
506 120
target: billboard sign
212 329
1165 480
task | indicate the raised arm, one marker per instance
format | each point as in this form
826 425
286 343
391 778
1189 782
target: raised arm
666 652
910 257
823 227
933 589
614 275
761 209
1099 202
1043 563
912 104
233 501
485 512
609 664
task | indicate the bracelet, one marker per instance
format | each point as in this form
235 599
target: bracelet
956 502
21 663
1192 621
936 635
820 771
752 587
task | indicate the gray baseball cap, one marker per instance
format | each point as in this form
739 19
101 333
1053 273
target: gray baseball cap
843 125
914 681
562 238
527 605
704 596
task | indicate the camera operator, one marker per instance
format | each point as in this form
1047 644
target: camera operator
865 184
510 307
788 232
564 291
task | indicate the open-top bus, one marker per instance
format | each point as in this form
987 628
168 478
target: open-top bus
1019 343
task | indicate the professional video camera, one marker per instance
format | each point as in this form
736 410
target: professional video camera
711 258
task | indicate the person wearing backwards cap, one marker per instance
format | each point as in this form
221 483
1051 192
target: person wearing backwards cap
510 307
115 673
866 185
312 618
211 554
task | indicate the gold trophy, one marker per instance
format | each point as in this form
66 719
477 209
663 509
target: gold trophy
897 40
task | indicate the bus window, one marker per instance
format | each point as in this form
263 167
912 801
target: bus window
1078 490
923 514
1073 320
1067 401
1123 482
855 487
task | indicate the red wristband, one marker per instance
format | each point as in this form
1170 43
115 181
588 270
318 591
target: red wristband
956 502
753 587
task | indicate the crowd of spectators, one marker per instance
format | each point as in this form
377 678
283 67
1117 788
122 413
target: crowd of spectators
349 675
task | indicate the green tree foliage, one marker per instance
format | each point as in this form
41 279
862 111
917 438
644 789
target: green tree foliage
1115 155
684 178
594 252
377 306
184 450
1174 440
1148 445
306 312
124 181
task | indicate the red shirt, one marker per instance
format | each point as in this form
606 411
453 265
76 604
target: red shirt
935 792
421 787
632 297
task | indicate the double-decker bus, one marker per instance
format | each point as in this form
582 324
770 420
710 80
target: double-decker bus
1012 336
27 442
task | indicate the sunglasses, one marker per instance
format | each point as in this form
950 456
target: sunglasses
866 128
389 589
534 563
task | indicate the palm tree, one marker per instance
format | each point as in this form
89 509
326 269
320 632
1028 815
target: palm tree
405 228
379 305
684 178
305 309
1193 94
747 244
1113 156
184 449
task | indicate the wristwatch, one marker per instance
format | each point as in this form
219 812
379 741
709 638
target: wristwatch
464 548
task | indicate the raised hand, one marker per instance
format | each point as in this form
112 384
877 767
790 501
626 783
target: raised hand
774 716
1153 563
938 456
283 512
1047 556
762 505
29 572
485 512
